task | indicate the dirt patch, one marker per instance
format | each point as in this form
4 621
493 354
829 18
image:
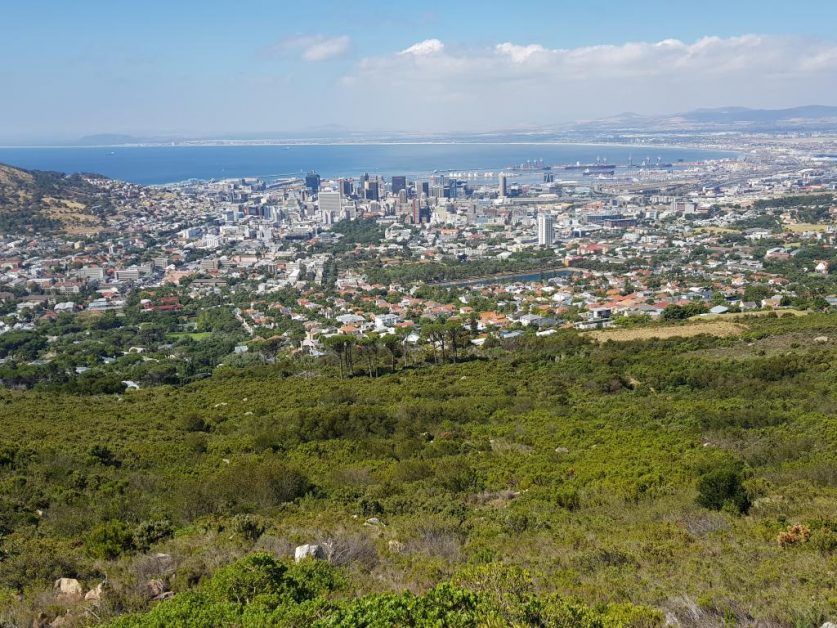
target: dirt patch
712 328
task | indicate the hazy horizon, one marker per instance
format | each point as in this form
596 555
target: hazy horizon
201 70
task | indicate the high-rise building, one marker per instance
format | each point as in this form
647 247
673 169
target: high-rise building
546 229
330 203
371 191
398 183
503 187
312 182
422 187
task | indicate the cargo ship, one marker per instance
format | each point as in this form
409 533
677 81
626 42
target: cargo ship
599 166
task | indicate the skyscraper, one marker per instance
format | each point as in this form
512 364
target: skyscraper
312 182
503 187
398 183
330 203
371 190
546 229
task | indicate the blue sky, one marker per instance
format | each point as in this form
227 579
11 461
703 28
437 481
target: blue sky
204 68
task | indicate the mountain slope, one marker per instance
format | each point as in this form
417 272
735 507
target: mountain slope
811 117
38 202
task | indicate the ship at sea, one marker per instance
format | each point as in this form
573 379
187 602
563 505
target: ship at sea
600 166
648 164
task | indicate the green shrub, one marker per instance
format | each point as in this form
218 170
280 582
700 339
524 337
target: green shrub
149 533
109 540
723 488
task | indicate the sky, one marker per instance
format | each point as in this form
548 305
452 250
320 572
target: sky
156 68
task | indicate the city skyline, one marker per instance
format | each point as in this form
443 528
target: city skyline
213 69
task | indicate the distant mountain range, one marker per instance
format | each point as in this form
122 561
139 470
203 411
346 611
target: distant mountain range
811 117
723 119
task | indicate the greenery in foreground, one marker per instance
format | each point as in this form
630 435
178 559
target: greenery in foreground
551 482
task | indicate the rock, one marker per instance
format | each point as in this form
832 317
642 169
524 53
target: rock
164 561
562 450
59 621
155 588
309 551
829 624
374 522
41 621
95 594
822 340
68 588
396 547
165 595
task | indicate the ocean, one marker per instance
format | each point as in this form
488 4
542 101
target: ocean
168 164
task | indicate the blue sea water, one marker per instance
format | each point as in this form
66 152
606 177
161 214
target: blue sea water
168 164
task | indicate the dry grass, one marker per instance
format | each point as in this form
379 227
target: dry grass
737 315
74 220
804 226
713 328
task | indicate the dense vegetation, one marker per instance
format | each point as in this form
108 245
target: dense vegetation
551 481
430 272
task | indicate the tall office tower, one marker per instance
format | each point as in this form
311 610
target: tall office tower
346 187
503 187
398 183
370 189
330 202
546 229
312 182
422 187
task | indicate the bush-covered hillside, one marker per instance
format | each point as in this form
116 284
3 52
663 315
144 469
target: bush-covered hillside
553 482
36 202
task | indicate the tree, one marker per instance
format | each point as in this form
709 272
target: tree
393 344
722 488
369 347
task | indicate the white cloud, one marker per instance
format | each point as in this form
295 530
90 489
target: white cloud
509 83
519 54
423 48
313 47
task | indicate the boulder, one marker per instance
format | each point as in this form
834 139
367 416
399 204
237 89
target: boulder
374 522
309 551
68 588
95 594
165 595
164 561
155 588
822 340
41 621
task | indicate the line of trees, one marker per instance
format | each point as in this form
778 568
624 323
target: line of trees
448 340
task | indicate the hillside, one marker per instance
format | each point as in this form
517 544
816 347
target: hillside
38 202
813 117
557 481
